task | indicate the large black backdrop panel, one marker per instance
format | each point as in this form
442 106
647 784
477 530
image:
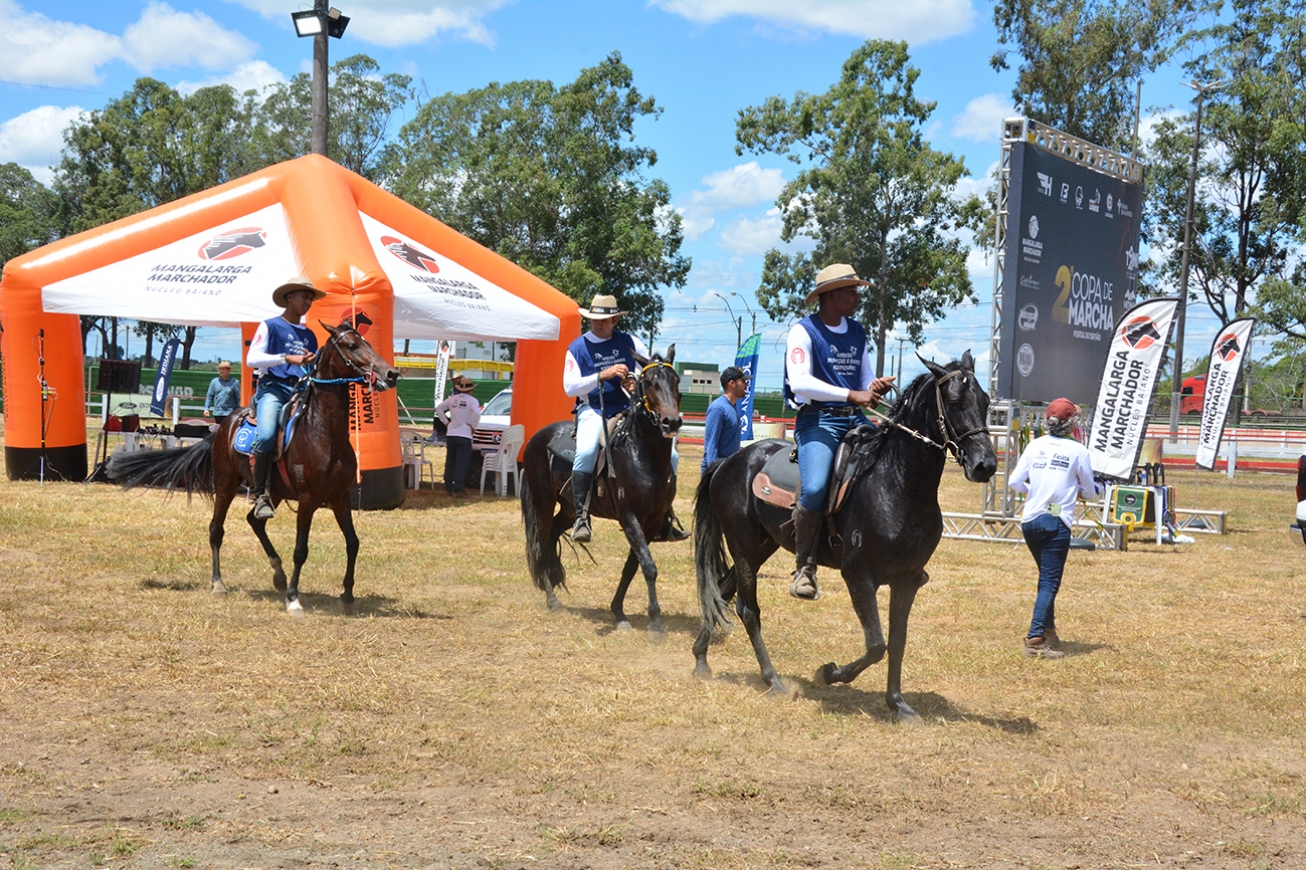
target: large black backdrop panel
1071 270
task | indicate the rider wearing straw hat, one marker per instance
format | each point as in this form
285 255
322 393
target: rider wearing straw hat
829 378
280 353
602 359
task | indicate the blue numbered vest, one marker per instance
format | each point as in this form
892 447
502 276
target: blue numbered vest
836 359
594 357
285 337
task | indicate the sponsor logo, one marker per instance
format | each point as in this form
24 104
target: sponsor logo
1065 192
1029 282
797 356
1095 204
1033 226
1109 201
1044 183
1131 261
413 256
233 243
1031 251
1025 360
361 323
1229 347
1140 333
1110 207
1027 318
1079 197
1085 301
1123 210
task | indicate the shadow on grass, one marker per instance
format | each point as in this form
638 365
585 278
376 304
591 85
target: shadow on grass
674 623
321 603
174 585
844 700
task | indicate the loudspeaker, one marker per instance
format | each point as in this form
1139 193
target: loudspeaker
119 376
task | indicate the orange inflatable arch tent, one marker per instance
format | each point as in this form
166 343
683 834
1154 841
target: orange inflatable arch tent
212 259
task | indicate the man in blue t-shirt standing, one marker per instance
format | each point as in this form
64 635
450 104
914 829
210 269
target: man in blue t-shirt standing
722 430
602 359
829 378
280 353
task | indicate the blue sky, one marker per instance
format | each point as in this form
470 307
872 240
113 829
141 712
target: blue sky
703 60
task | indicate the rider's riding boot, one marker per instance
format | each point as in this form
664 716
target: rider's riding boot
671 529
807 531
263 509
580 493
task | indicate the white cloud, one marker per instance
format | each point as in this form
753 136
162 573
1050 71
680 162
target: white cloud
917 22
741 186
981 120
254 75
393 23
747 236
164 37
36 50
34 139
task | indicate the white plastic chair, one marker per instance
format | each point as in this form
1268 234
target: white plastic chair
415 461
503 462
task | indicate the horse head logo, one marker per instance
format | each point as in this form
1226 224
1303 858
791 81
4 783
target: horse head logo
1229 347
233 243
1140 333
410 254
359 323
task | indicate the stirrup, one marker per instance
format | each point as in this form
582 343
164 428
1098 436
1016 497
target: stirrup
581 532
263 509
804 586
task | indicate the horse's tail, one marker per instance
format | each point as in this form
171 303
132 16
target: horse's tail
543 557
179 467
715 580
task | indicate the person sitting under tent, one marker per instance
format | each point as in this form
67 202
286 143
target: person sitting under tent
280 353
603 359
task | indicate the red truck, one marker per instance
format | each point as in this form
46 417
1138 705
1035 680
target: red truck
1193 392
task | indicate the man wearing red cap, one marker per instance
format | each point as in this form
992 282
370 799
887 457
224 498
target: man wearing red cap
1052 471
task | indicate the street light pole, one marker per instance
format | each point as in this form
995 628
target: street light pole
739 321
1178 366
320 109
751 313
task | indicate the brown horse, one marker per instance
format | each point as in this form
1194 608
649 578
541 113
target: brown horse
318 466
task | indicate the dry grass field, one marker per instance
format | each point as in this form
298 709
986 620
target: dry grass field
455 722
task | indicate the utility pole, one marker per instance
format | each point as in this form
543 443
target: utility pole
1178 367
900 344
738 321
321 22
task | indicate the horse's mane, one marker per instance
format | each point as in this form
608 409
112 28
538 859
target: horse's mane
873 442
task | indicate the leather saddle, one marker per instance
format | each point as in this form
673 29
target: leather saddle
563 446
247 428
778 482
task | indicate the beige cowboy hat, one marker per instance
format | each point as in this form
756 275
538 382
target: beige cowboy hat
833 277
299 282
458 379
602 308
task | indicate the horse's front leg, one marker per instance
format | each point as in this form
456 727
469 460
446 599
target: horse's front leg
221 503
862 592
345 519
303 523
260 528
901 596
640 555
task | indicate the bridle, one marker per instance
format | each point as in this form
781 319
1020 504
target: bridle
951 443
639 401
367 377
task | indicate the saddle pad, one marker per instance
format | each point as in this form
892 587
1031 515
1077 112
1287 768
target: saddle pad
247 432
563 444
777 482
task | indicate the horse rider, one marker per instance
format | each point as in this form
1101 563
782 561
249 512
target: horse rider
603 359
280 353
829 378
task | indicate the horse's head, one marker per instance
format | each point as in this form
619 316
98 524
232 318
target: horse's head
660 389
347 355
965 410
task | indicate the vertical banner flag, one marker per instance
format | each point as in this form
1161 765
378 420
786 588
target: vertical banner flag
1123 400
1226 359
442 369
746 359
167 356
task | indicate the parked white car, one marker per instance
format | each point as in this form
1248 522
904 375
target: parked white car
1297 531
495 417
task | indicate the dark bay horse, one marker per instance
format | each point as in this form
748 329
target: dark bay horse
886 531
320 464
638 496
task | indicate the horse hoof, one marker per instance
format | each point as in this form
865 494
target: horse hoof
218 590
554 604
825 674
703 672
907 716
779 691
622 625
294 608
656 632
347 607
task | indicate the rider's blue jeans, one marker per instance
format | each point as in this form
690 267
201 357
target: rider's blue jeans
1048 539
268 401
589 426
818 436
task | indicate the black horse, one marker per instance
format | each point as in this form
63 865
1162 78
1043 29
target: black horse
319 461
883 535
638 494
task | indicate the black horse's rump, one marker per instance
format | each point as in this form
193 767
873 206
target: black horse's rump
189 468
885 534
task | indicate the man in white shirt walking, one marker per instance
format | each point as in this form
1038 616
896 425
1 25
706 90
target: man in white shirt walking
1052 471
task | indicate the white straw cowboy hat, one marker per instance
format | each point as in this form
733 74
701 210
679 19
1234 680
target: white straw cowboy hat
299 282
602 308
833 277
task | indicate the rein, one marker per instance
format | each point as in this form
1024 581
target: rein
949 443
364 377
639 401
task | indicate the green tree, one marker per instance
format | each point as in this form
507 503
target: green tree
873 193
545 176
28 213
1080 59
362 101
1248 208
